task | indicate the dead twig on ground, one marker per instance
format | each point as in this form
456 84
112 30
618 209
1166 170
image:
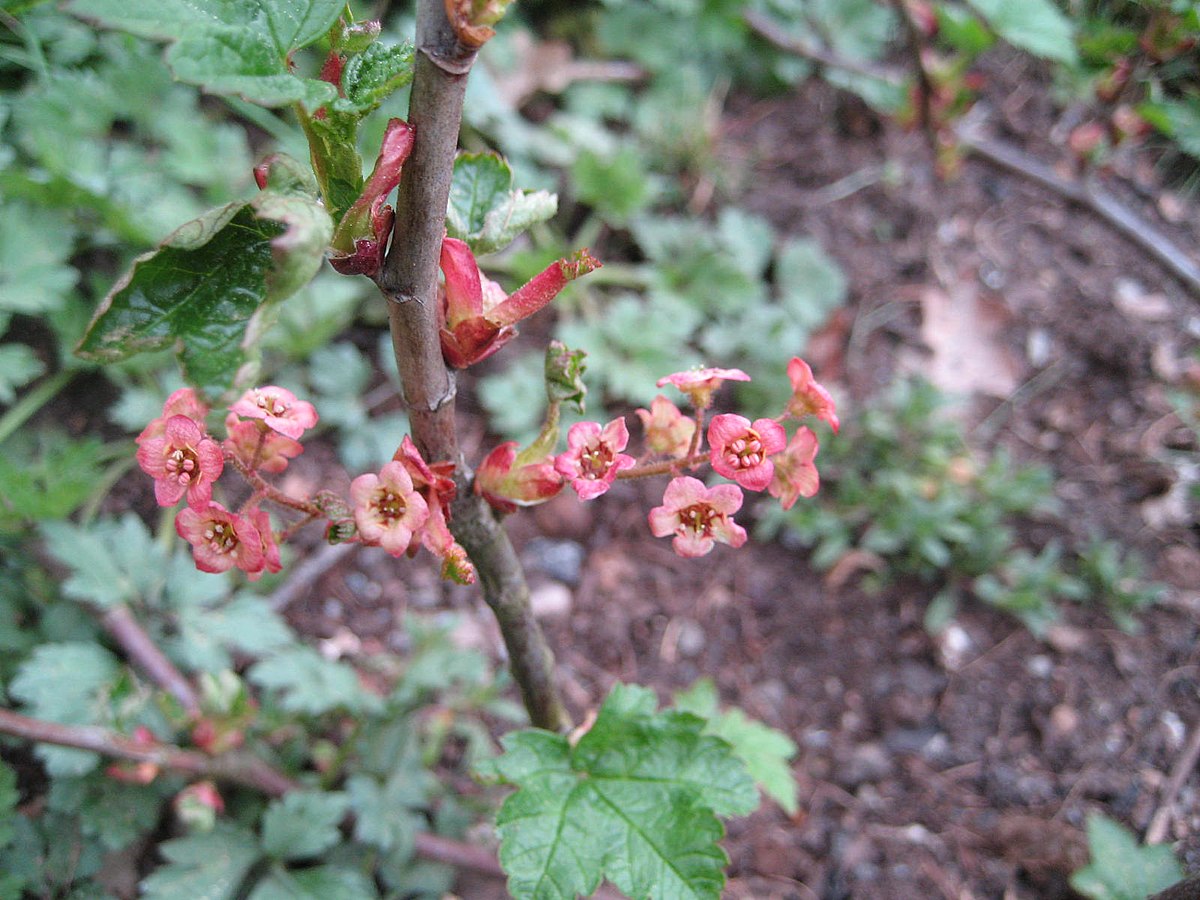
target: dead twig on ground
1184 766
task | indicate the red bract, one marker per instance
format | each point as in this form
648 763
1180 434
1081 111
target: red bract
505 484
593 457
741 450
436 486
360 239
476 318
388 510
699 384
808 397
698 516
181 460
668 431
795 472
278 408
183 402
258 447
220 539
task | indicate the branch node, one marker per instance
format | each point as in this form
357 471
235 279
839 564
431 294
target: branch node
457 64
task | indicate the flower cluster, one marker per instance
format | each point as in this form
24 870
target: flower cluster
404 506
755 455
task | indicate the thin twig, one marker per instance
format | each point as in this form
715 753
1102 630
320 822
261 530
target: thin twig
1183 767
306 573
1088 193
138 646
234 768
770 30
924 104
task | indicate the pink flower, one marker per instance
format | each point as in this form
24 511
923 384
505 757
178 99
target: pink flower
699 384
258 447
808 397
182 460
476 317
435 484
698 516
278 408
506 482
593 457
741 451
668 431
220 539
387 509
261 521
183 402
795 472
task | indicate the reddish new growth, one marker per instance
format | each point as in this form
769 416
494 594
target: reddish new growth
698 517
594 457
741 451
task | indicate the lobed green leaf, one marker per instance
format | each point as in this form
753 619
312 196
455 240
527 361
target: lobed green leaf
203 866
307 683
1122 869
303 824
1037 26
484 209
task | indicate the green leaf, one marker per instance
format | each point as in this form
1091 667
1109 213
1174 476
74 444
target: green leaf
35 244
372 76
239 48
204 866
112 562
321 883
634 801
303 824
764 750
19 365
1178 119
66 683
9 798
210 288
309 684
207 634
810 284
387 814
1033 25
484 210
617 187
1121 869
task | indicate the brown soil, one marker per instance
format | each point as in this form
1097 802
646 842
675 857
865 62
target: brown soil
953 767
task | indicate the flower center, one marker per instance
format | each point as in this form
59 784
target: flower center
594 462
272 406
220 537
183 465
745 452
391 506
698 518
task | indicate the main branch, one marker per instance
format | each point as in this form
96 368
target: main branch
409 281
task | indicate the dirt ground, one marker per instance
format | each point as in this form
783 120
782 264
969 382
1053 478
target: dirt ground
960 766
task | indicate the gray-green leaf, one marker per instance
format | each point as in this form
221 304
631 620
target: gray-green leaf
204 866
484 209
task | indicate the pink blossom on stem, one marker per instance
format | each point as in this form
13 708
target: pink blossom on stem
278 408
506 485
593 457
741 450
435 483
221 540
699 384
257 446
183 402
181 460
387 509
809 398
668 431
698 516
261 521
795 472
